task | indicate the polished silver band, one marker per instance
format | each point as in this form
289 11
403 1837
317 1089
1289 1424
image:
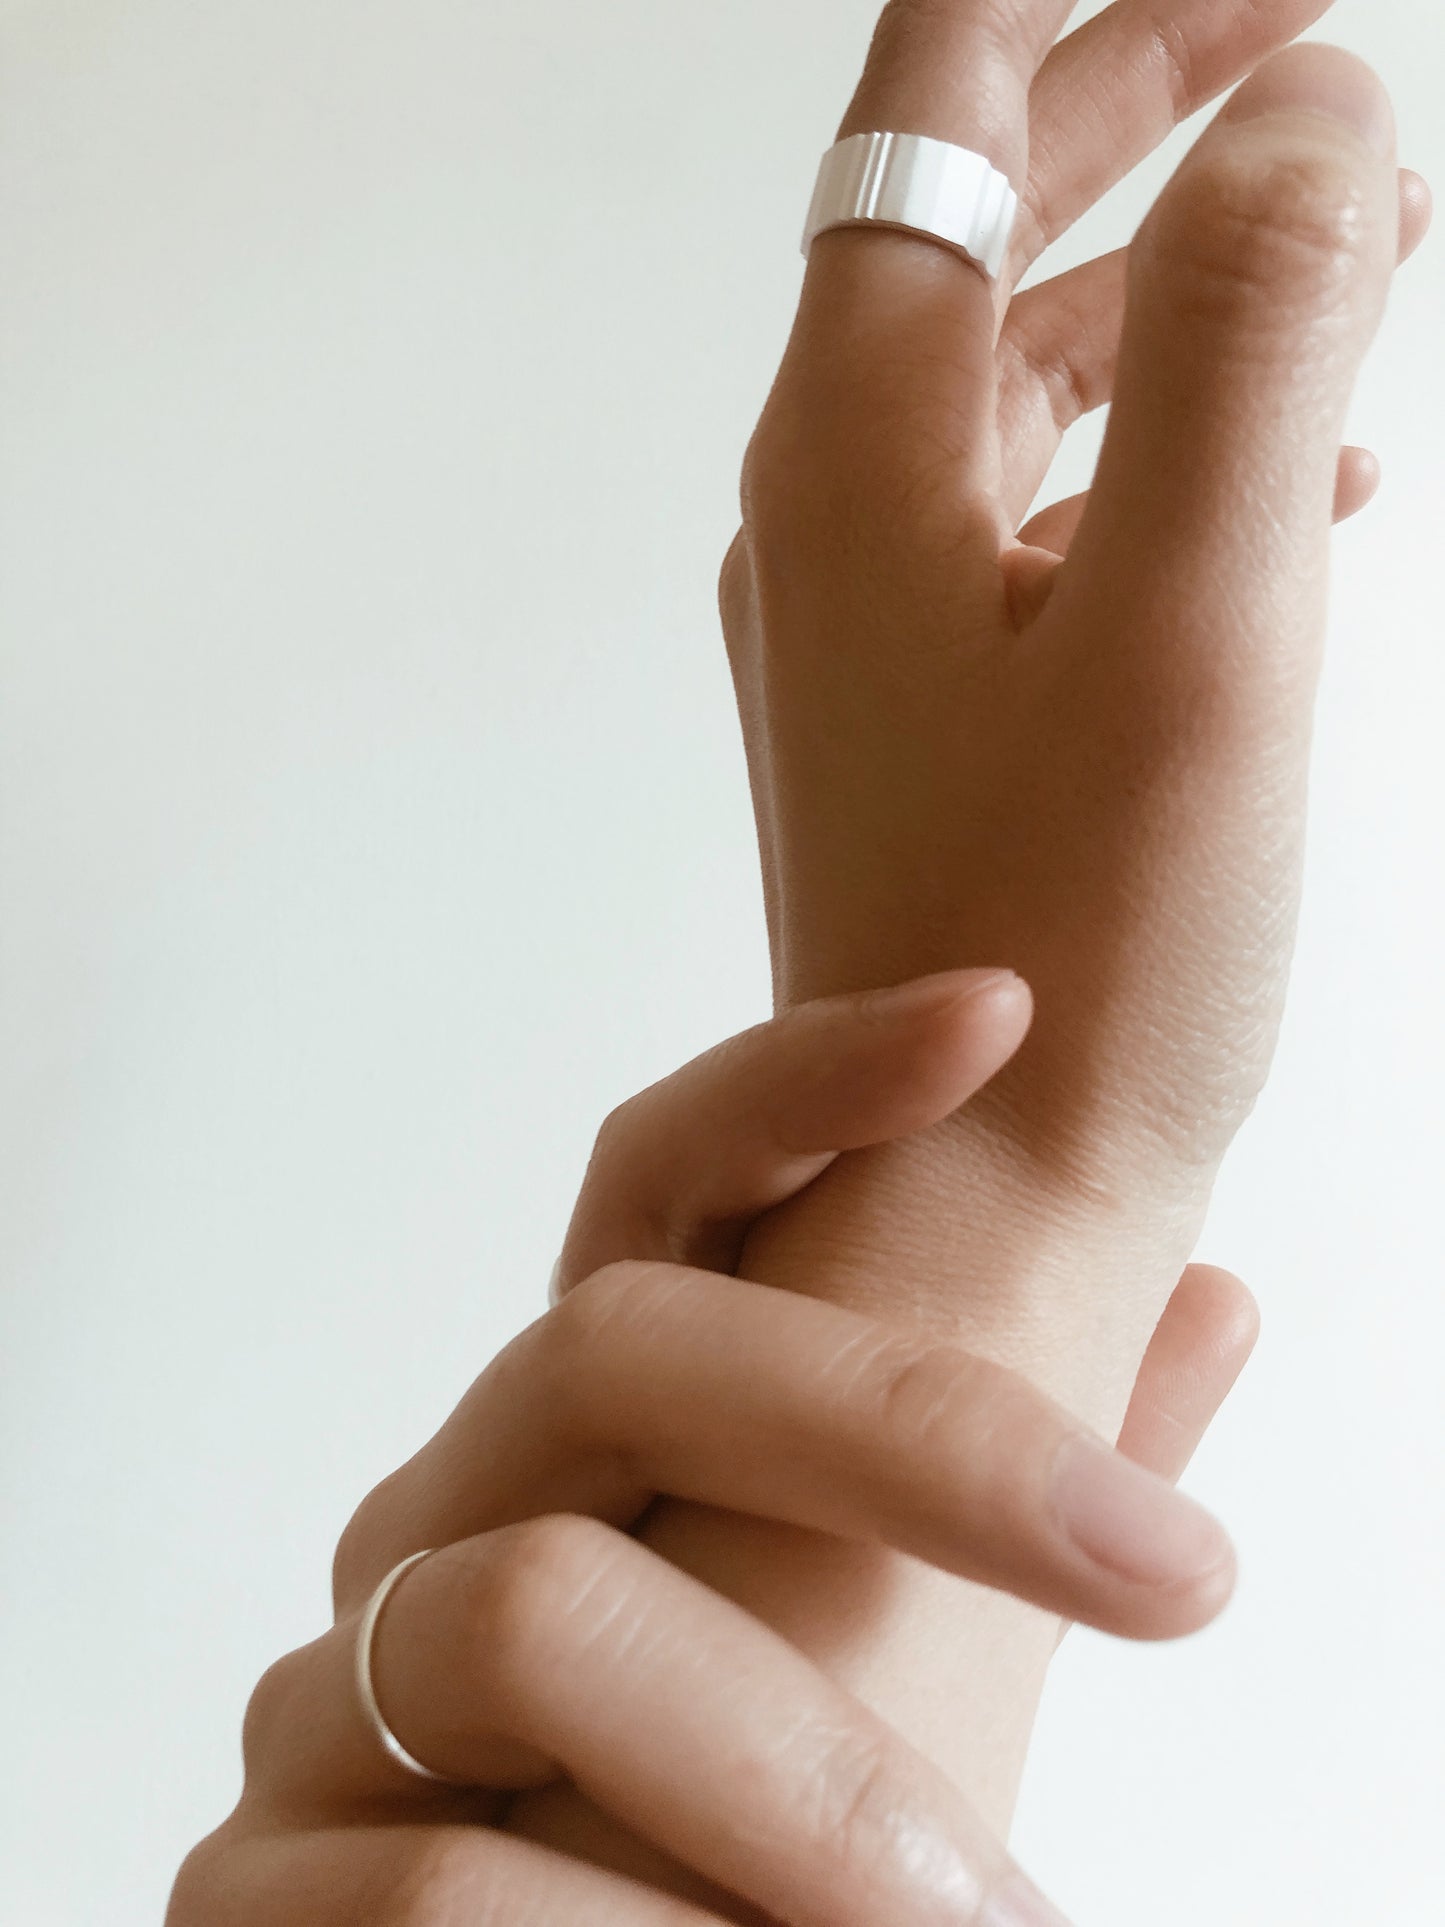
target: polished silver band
929 187
366 1690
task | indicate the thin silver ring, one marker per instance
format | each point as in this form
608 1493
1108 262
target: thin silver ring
928 187
365 1686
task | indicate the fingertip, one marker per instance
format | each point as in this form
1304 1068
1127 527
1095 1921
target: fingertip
1029 572
952 1033
1417 211
991 1014
1226 1312
1357 482
966 1025
990 1004
882 1064
1170 1564
1017 1902
1207 1597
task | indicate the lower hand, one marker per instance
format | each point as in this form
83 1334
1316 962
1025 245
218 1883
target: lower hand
541 1640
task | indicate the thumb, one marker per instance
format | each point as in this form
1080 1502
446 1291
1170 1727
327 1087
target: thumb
1256 286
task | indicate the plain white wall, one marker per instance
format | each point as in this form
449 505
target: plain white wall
373 379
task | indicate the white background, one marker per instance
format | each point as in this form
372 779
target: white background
373 379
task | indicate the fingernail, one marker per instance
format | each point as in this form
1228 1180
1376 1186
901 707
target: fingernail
929 993
1125 1518
1018 1903
1322 80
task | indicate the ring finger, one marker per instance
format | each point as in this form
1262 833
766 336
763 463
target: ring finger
561 1647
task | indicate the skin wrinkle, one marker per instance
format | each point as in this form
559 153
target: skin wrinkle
1276 239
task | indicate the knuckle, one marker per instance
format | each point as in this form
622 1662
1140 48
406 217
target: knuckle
916 34
824 457
1270 237
199 1883
781 476
901 25
535 1582
862 469
859 1793
1170 53
735 589
617 1131
612 1303
268 1715
359 1562
351 1562
1074 377
916 1390
935 1402
757 465
624 1168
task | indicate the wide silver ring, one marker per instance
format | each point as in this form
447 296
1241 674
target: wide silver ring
928 187
365 1686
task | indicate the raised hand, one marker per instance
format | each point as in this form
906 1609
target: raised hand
965 750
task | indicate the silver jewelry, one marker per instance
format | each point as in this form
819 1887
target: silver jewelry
366 1690
929 187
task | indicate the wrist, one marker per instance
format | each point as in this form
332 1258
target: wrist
958 1230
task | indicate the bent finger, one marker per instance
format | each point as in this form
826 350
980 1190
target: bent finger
1255 289
681 1170
560 1647
1060 347
1201 1345
657 1380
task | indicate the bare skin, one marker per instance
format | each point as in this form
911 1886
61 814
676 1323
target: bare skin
1076 748
540 1644
967 748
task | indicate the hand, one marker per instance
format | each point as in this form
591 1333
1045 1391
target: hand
542 1640
965 749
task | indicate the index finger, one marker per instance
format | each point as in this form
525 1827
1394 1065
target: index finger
876 298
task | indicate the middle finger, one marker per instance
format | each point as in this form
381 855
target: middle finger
1060 344
1110 93
655 1379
